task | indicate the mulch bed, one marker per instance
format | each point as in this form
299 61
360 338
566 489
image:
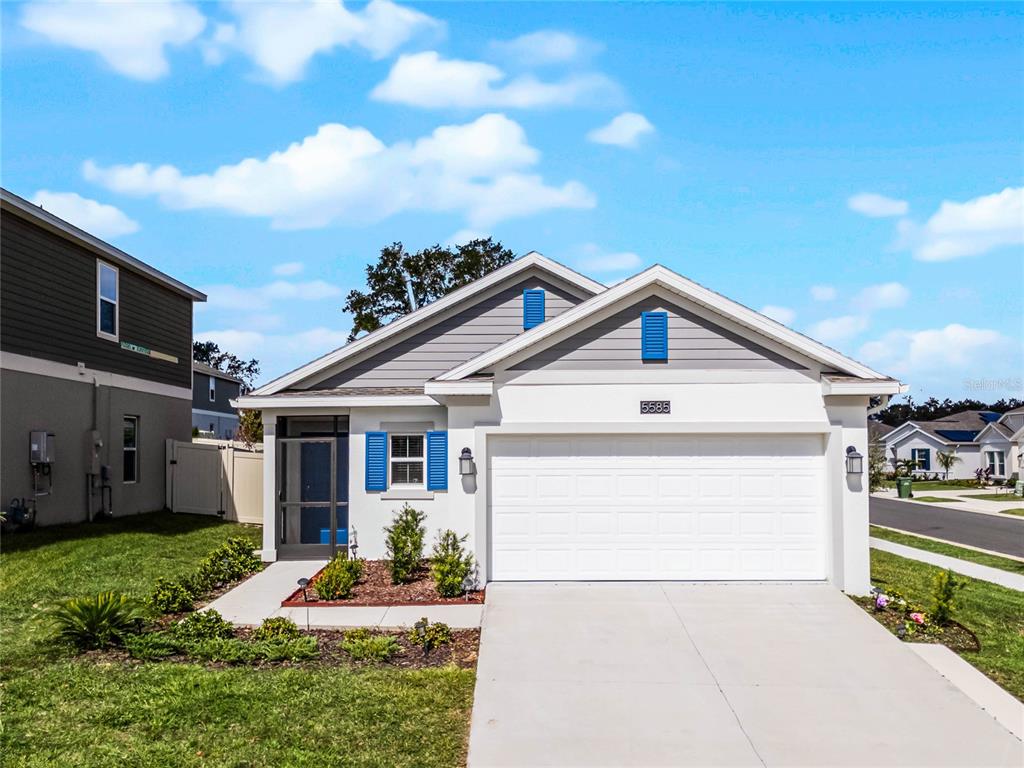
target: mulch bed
954 636
461 651
375 589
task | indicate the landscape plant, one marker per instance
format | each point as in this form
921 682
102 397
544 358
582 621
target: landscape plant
275 628
202 625
172 596
97 621
450 564
877 466
338 577
947 460
404 542
944 592
429 636
151 646
363 645
231 561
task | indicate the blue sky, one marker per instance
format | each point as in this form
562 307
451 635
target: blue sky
855 171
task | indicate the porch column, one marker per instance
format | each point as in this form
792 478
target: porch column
269 553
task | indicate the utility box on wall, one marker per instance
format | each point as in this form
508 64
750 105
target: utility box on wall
41 447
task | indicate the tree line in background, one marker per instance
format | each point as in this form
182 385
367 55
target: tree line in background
933 408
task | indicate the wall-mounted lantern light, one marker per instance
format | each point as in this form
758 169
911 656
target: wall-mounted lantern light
854 461
466 464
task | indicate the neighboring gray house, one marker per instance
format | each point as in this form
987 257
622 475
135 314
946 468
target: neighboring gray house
96 359
651 430
957 433
212 393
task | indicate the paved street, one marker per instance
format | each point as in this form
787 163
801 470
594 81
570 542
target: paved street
997 534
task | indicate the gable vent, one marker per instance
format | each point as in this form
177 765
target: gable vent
654 336
533 308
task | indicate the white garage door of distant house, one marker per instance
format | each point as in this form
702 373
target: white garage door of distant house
611 507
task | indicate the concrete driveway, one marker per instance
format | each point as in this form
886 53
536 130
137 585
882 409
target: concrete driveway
671 674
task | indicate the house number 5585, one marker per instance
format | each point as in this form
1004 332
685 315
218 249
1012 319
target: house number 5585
655 406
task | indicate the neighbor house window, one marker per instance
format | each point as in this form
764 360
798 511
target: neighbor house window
213 389
107 308
131 449
922 457
407 459
996 461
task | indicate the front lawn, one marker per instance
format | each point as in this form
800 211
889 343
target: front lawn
936 500
995 614
936 485
73 711
950 550
1019 511
1005 498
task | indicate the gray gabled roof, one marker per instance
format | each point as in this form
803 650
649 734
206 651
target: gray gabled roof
211 371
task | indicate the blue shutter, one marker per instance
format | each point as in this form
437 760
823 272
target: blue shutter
654 336
437 461
376 461
926 459
533 307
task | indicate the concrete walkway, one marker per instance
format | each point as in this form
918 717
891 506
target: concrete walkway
963 567
675 674
260 597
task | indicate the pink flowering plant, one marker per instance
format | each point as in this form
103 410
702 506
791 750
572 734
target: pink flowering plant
913 619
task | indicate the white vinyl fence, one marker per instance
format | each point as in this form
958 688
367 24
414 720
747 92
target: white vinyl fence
215 477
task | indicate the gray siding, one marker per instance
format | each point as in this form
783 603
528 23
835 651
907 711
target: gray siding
226 390
450 342
48 309
693 343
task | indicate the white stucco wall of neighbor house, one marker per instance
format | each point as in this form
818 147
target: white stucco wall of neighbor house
970 456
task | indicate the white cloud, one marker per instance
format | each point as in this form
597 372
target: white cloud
823 292
836 329
784 315
545 46
130 36
970 228
235 297
277 352
882 296
624 130
877 206
595 259
288 268
348 175
99 219
426 80
281 38
940 349
464 236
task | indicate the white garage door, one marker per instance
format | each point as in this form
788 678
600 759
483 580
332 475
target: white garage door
657 507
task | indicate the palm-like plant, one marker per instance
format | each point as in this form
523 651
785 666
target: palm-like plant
95 622
904 467
947 461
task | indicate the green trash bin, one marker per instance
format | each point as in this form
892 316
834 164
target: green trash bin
903 487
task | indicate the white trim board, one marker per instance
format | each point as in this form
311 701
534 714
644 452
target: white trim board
9 361
411 320
289 402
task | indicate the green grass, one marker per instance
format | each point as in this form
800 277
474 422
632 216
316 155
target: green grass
981 558
995 614
68 711
1005 498
1014 511
935 485
936 500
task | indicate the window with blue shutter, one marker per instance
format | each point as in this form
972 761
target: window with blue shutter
376 461
437 461
923 457
654 336
533 308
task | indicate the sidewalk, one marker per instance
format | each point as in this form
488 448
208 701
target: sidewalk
963 567
963 501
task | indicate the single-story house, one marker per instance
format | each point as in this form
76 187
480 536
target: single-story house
1001 443
212 393
651 430
979 438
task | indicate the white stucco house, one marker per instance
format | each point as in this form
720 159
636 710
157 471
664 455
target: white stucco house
651 430
980 438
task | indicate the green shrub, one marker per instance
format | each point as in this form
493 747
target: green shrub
95 622
450 564
363 645
944 596
202 625
172 596
405 544
338 577
276 627
429 636
151 646
230 650
286 649
231 561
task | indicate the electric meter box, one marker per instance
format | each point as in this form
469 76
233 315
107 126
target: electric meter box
41 447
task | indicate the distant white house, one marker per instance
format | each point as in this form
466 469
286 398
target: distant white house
980 438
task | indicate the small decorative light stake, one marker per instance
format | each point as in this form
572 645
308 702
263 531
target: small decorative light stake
854 461
303 583
353 543
469 583
901 632
466 464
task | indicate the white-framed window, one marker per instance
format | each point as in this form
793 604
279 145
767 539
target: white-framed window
131 449
922 458
213 388
108 308
406 460
996 461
